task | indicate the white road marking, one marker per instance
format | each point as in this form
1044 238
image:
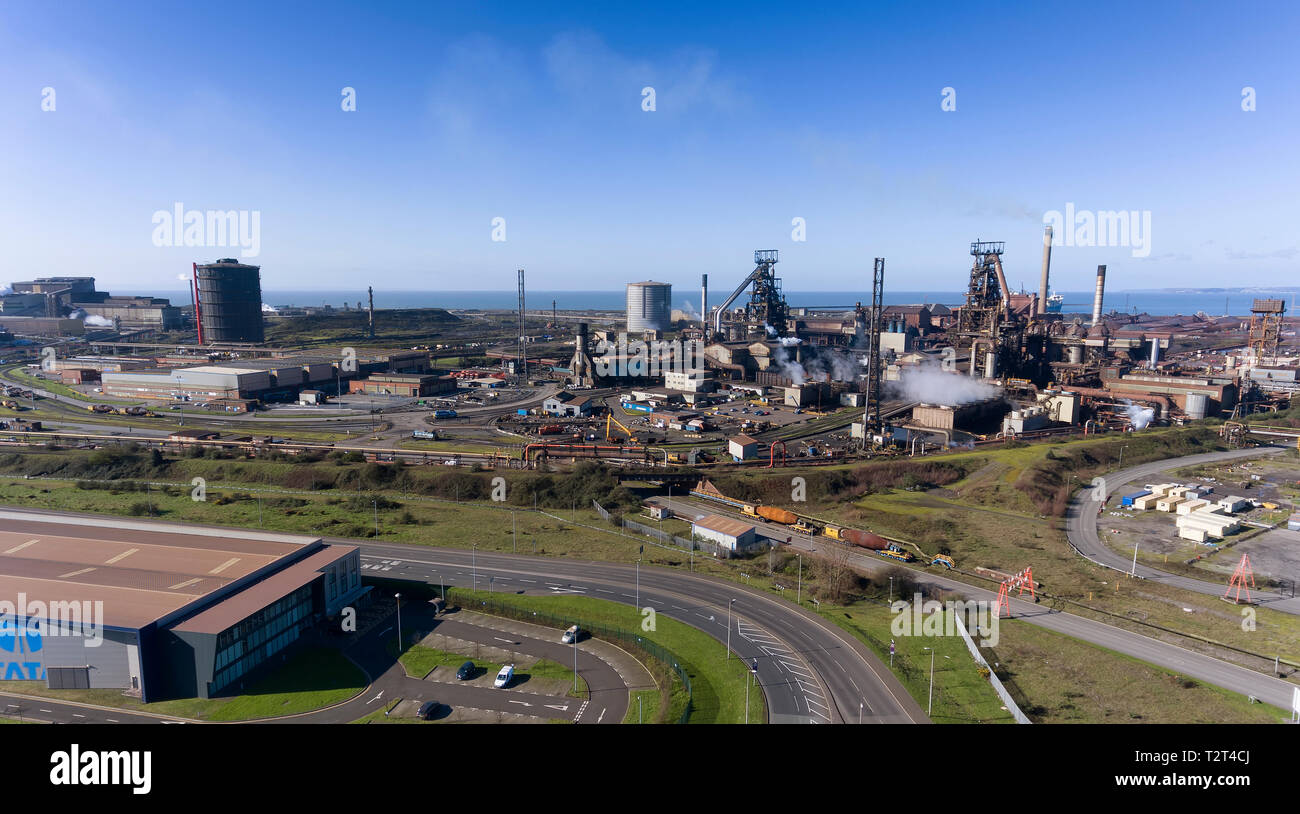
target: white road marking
71 574
508 641
128 553
112 720
21 546
524 703
376 698
564 708
601 717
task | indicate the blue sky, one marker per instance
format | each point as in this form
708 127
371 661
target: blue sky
532 112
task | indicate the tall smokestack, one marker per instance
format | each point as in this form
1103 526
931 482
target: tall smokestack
1047 262
704 303
371 292
1101 289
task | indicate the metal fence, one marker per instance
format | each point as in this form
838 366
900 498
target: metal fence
713 549
1021 718
500 607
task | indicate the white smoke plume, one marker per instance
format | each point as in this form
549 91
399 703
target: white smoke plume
1138 417
789 368
689 310
930 384
95 320
269 309
6 289
790 341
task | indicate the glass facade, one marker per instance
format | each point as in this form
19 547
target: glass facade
260 636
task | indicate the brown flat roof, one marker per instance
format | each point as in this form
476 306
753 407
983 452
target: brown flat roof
142 572
724 525
234 609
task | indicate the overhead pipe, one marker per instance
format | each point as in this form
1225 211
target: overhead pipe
1002 284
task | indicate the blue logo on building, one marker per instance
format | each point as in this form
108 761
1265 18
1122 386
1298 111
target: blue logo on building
21 641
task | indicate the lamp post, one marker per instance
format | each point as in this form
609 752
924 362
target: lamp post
398 597
473 566
1121 456
753 671
891 590
575 662
730 602
930 706
1133 571
798 594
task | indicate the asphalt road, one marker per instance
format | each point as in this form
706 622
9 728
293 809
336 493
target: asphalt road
809 670
1185 662
1081 526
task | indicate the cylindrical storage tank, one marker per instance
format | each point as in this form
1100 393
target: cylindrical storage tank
864 539
230 301
1076 355
990 365
649 306
1198 404
778 515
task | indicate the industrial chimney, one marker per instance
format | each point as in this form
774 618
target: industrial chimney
1047 262
1101 289
371 292
704 304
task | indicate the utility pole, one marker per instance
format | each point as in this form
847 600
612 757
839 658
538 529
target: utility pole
729 604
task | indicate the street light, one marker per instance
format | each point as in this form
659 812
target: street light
398 597
729 604
860 712
930 706
753 671
891 590
473 566
798 594
1121 457
1133 571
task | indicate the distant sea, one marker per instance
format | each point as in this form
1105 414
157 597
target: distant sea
1161 303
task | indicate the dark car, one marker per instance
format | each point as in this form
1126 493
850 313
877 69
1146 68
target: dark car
427 709
466 671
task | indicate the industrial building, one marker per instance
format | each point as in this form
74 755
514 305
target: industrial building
160 610
229 302
133 312
729 533
403 384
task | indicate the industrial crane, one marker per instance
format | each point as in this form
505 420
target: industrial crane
609 420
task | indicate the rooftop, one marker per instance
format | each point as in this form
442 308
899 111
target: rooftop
724 525
142 572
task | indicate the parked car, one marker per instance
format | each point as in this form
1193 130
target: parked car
466 671
571 635
504 677
427 709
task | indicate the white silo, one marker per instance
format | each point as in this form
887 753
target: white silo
649 306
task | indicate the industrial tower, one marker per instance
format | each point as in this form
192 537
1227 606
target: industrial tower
523 338
871 414
1266 328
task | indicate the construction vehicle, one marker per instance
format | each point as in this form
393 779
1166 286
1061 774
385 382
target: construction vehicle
807 526
100 408
896 553
944 560
610 420
12 405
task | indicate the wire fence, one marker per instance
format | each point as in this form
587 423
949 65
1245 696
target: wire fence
501 607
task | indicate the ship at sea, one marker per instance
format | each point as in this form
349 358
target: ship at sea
1054 303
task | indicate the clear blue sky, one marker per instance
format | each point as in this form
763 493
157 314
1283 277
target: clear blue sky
765 112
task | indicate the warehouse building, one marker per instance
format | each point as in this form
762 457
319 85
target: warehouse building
403 384
731 534
158 610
